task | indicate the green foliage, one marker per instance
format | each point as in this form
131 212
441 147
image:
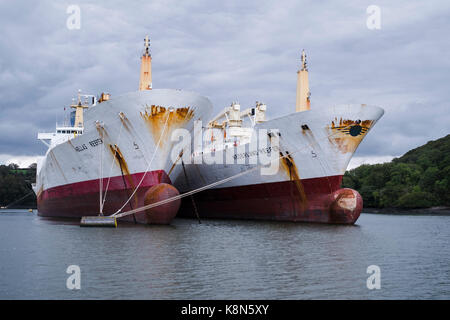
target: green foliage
416 199
418 179
15 183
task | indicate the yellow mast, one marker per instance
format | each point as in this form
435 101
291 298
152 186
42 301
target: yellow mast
145 80
303 95
79 112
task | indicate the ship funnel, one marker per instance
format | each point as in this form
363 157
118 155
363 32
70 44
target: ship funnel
303 95
145 79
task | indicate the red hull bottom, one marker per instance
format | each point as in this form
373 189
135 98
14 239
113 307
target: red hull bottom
309 200
82 199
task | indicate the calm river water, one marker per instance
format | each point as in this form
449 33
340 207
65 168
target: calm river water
226 259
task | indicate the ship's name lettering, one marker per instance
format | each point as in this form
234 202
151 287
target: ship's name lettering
255 152
95 142
81 148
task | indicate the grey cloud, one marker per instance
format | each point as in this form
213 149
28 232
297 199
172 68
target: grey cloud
231 50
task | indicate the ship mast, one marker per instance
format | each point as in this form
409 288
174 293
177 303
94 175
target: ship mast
303 95
145 80
79 111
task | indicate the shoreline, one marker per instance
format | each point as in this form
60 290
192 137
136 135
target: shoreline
435 211
441 211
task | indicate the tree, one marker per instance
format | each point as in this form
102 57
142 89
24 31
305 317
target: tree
13 166
420 178
429 178
15 185
419 199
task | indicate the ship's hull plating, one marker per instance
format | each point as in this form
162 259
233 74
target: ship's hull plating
82 198
315 148
126 144
266 201
278 201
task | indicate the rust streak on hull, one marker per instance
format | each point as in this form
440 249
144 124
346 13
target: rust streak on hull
290 168
120 160
155 117
346 135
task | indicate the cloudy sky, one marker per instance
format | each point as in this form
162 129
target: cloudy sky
229 50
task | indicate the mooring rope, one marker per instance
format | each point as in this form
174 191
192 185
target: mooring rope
111 167
123 214
101 172
211 185
15 201
148 166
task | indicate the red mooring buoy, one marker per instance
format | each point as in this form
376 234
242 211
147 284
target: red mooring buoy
165 213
